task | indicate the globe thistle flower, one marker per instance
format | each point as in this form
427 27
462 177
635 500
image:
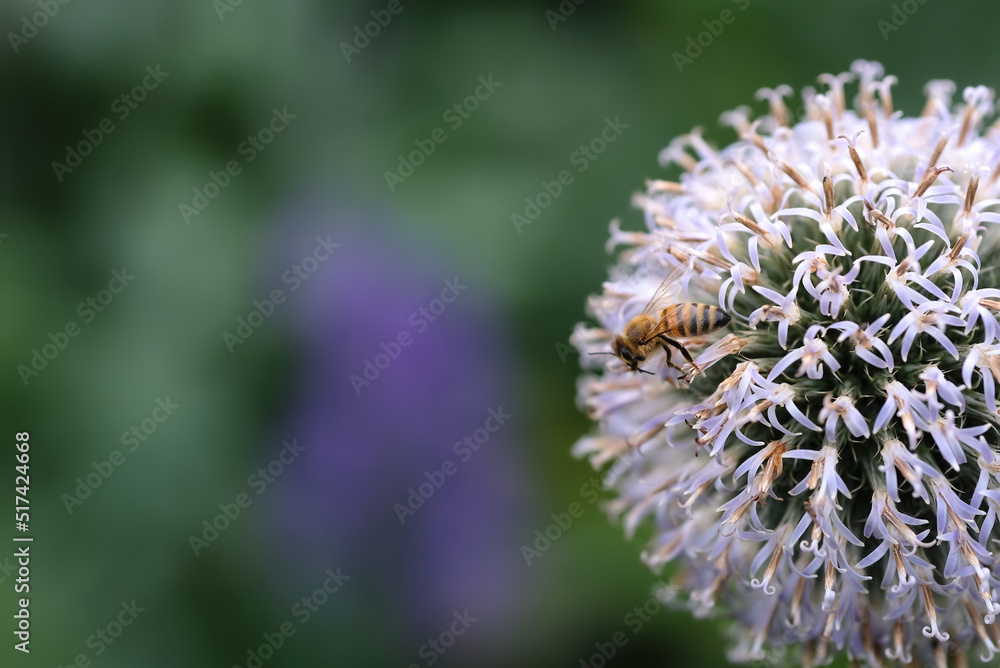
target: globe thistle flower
826 473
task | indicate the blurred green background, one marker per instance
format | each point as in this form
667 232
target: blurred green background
500 344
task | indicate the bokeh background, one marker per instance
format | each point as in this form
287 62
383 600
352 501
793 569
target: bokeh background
500 345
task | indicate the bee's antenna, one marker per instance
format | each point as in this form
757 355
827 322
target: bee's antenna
644 371
600 353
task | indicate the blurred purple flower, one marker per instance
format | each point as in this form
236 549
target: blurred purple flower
366 449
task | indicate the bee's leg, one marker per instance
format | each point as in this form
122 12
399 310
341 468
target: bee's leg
667 340
670 362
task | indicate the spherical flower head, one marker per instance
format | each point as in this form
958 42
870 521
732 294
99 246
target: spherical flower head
824 470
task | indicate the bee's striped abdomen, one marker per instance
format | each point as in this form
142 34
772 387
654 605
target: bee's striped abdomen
690 319
711 318
698 319
719 318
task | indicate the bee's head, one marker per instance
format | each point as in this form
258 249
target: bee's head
626 353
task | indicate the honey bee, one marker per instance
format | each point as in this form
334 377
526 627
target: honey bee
661 320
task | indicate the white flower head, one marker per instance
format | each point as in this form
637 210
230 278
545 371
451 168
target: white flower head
824 468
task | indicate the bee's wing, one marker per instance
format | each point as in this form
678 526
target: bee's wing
667 292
